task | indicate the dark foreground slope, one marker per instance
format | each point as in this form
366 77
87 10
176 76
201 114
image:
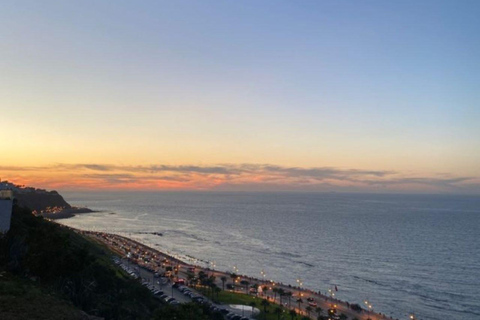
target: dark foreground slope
51 272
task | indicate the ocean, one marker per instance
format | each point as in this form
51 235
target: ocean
404 253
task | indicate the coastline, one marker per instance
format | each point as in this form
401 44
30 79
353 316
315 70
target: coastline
155 260
66 213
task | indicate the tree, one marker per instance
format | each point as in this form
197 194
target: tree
224 279
265 304
281 293
275 290
318 310
343 316
278 312
356 307
190 277
256 286
211 284
217 291
265 290
246 283
252 304
309 309
293 314
234 277
299 300
289 295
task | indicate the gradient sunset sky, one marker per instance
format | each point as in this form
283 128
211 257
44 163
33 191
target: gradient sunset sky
374 96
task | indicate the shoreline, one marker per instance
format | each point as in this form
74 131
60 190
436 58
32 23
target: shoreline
154 260
66 213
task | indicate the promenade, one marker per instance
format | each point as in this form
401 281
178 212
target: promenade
296 298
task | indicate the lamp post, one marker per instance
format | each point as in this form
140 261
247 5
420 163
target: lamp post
331 292
300 294
263 274
368 305
212 266
300 284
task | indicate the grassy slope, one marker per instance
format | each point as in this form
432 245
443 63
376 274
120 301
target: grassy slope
69 270
21 299
48 271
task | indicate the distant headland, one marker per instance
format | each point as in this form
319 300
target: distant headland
49 204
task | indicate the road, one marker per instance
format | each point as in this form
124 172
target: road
166 286
155 260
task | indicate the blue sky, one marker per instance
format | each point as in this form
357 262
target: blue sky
375 85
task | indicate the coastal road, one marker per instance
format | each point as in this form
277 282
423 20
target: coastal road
322 301
123 245
164 285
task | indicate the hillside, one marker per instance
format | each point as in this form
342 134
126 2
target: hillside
40 201
50 272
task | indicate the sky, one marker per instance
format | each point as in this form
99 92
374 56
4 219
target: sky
357 96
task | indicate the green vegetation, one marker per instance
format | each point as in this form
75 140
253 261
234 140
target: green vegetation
64 262
52 272
20 298
268 310
187 311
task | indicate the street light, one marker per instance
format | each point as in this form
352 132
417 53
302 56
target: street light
369 305
300 282
263 274
331 293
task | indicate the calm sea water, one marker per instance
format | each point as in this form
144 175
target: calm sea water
405 253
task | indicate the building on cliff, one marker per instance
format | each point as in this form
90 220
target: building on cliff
6 202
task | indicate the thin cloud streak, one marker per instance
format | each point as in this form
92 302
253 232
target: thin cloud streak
232 176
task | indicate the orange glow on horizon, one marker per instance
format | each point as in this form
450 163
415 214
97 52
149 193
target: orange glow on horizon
245 177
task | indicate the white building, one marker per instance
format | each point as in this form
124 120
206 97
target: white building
6 202
6 194
5 214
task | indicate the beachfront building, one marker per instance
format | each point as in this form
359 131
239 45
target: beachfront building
6 202
6 194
